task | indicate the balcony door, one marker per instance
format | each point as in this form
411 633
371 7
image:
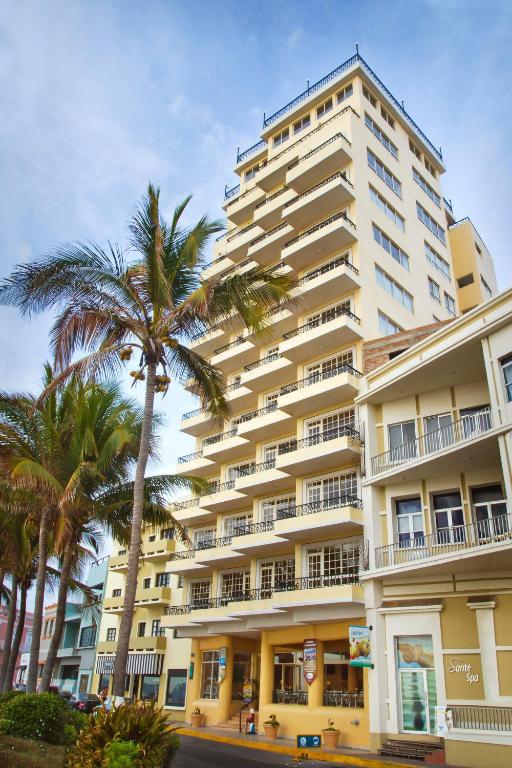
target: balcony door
475 421
438 432
332 563
402 442
490 511
234 583
325 368
409 523
331 489
237 522
200 592
330 426
319 318
449 518
276 574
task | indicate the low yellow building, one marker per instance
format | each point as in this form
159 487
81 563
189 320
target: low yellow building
437 514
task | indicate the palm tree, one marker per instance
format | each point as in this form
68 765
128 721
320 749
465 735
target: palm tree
108 306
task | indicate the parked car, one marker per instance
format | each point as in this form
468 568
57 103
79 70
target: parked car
19 687
60 692
85 702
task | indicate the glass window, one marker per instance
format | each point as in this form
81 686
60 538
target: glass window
334 489
167 533
111 634
380 135
425 186
277 508
449 518
345 93
234 583
490 512
414 149
146 583
324 108
369 95
409 522
475 420
417 683
233 525
116 593
156 630
392 248
251 172
87 637
281 137
387 117
302 124
468 279
162 579
210 675
402 441
103 682
394 289
149 687
486 288
175 692
388 209
434 290
384 173
439 263
430 168
141 629
200 592
276 573
430 223
449 303
203 538
506 367
438 432
387 326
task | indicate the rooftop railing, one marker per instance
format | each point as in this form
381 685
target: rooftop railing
258 147
335 75
228 193
456 433
340 261
338 311
317 227
315 377
192 414
446 541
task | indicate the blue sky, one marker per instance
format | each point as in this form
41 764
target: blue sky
100 97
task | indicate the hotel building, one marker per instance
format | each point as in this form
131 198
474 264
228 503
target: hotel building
343 192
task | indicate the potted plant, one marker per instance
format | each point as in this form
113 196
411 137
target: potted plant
330 735
271 727
196 718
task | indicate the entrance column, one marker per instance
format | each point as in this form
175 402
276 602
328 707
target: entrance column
266 671
316 689
193 687
226 686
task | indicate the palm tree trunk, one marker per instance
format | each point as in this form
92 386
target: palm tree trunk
60 615
125 628
15 649
9 629
2 577
38 603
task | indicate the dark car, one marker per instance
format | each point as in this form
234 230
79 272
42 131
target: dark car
85 702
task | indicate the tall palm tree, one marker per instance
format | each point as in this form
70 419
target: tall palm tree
108 307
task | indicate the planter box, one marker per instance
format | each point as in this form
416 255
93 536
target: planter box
270 731
330 739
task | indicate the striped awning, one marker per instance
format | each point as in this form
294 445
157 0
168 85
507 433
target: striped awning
138 664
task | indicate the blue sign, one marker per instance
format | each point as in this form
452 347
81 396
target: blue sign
309 741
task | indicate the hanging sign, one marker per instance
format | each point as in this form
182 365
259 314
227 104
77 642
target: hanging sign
222 664
309 657
247 690
360 647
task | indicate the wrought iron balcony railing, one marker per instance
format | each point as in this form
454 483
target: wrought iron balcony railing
340 261
337 502
319 148
264 361
457 433
344 430
231 345
317 227
343 699
271 197
262 527
190 457
254 468
229 193
240 232
495 529
258 147
184 554
268 234
213 439
309 191
186 504
218 541
191 414
323 376
326 317
290 697
240 197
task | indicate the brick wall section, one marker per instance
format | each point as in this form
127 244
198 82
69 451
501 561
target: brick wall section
378 351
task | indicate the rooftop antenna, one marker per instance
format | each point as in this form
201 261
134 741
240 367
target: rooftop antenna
357 49
403 105
307 81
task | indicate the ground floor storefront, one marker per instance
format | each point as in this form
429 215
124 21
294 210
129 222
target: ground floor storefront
269 673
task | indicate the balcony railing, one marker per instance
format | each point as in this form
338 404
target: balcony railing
308 192
337 502
481 718
456 433
326 317
190 457
446 541
343 699
219 438
335 75
264 361
341 261
258 147
231 345
448 204
317 227
268 234
319 148
191 414
255 468
271 197
314 378
317 582
270 408
344 430
187 504
240 232
234 386
185 554
229 193
218 541
227 485
239 197
290 697
262 527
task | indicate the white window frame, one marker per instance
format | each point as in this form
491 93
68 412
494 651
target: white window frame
193 582
325 477
325 108
281 137
275 500
261 562
321 364
349 541
387 209
302 124
246 578
506 366
434 290
345 93
246 517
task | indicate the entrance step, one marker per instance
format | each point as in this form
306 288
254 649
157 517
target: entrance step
233 723
427 751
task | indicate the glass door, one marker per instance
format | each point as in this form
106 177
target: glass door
438 432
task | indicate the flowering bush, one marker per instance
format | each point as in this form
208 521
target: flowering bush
38 716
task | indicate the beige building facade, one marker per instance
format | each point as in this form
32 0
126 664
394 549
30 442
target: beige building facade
343 191
436 504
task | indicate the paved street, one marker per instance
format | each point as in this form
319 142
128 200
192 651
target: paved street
199 753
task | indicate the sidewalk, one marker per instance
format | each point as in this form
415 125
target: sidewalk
340 756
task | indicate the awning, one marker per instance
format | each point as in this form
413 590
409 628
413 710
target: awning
138 664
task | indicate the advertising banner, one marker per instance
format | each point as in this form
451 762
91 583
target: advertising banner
360 647
222 664
309 656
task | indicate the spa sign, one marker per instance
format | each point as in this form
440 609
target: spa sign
309 660
360 646
456 664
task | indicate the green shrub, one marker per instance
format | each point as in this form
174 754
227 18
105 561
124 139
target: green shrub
140 723
4 725
38 716
7 696
121 754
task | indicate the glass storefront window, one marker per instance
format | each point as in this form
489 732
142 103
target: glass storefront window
241 673
149 687
176 688
417 683
210 675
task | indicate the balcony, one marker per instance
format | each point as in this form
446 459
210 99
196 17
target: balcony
446 449
197 422
236 245
225 446
216 267
154 596
240 208
331 235
332 330
489 539
262 478
318 202
268 212
329 281
205 342
266 248
266 423
273 171
326 516
223 497
233 356
157 551
119 562
321 452
183 563
326 389
194 464
260 374
153 643
217 553
322 161
241 397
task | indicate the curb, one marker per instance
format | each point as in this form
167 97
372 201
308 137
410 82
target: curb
326 757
